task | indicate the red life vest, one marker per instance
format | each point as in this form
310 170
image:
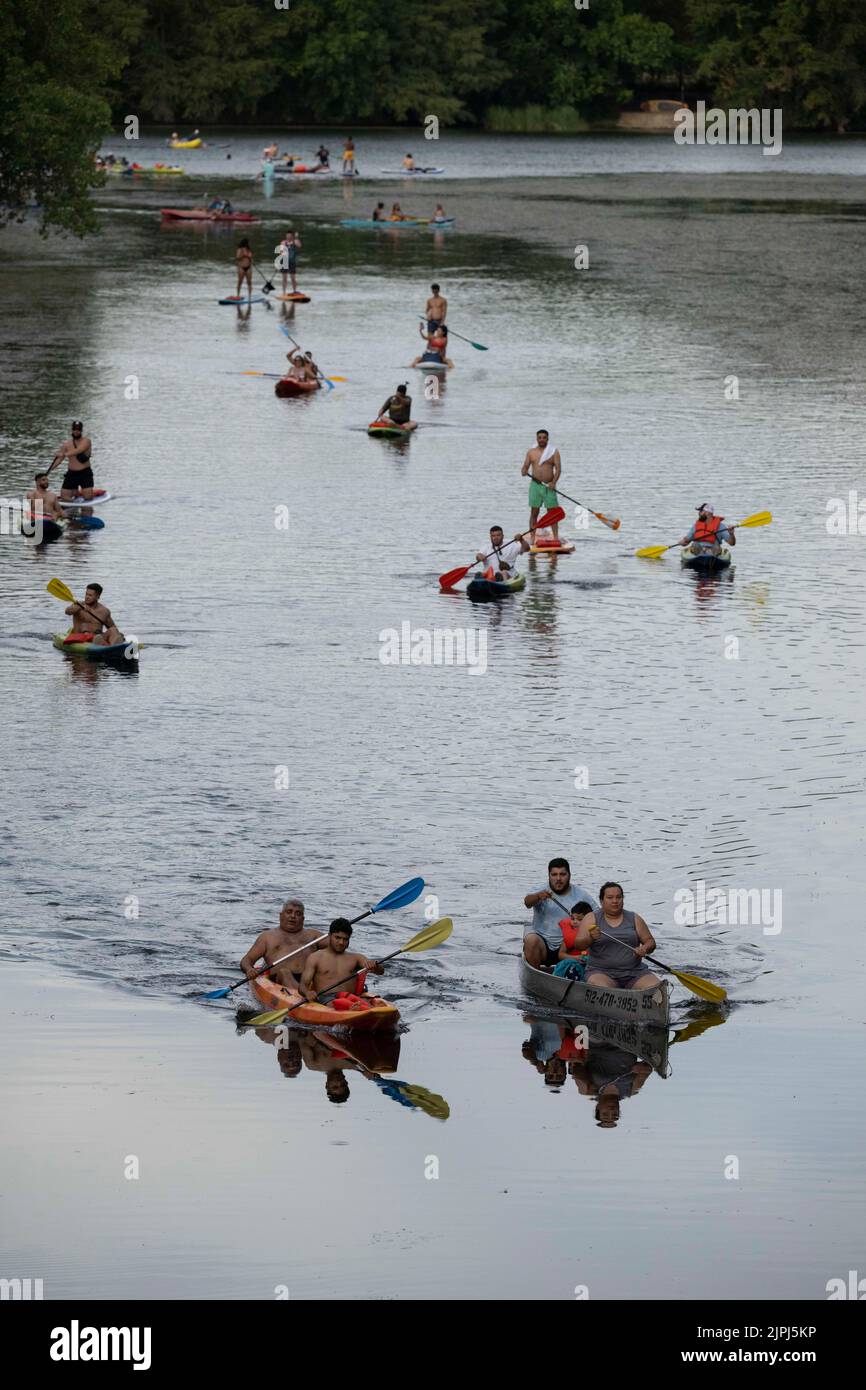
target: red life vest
708 531
569 936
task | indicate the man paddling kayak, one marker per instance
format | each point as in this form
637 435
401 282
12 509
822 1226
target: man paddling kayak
271 945
542 940
617 942
91 621
325 973
543 466
79 474
505 554
399 408
708 532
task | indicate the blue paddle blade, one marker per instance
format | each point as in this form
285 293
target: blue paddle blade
217 993
401 897
87 523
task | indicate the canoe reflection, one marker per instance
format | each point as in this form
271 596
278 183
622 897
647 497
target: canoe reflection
608 1061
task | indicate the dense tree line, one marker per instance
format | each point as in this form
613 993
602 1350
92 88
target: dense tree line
69 68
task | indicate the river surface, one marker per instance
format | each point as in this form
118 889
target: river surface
662 730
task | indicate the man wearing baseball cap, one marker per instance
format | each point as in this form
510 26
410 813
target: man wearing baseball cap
79 475
709 532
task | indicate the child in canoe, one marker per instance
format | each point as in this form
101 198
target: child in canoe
572 961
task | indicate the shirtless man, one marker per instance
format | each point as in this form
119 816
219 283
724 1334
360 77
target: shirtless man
543 466
436 310
91 616
79 474
43 502
326 969
291 935
408 161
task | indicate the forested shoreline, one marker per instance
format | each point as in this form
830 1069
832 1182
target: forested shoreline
72 70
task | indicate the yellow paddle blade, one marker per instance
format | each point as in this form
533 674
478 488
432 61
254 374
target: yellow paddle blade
697 1027
263 1020
759 519
652 552
431 936
58 589
432 1104
704 989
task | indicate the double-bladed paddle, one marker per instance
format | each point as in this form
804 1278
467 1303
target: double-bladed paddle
652 552
399 897
403 1092
704 989
424 940
57 589
479 347
551 518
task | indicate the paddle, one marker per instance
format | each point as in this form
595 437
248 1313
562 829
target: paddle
413 1097
652 552
285 330
613 522
267 285
399 897
424 940
447 581
451 334
704 989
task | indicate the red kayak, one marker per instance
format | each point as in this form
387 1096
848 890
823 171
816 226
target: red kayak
202 215
287 386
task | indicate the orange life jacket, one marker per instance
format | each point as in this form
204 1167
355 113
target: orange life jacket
569 936
708 531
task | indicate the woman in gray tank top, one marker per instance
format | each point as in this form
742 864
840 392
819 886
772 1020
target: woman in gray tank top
614 937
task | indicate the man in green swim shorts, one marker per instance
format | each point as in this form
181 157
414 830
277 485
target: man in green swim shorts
542 466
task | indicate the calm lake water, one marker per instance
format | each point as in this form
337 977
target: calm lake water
657 729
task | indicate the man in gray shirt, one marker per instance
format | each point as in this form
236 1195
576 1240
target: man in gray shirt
543 937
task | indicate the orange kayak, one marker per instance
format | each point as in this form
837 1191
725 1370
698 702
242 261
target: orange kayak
381 1015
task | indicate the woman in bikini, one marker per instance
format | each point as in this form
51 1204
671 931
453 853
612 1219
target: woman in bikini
437 343
244 264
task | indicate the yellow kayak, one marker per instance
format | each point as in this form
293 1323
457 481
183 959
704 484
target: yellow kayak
184 144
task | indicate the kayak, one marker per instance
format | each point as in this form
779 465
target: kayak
202 215
100 494
386 429
287 386
144 169
184 144
380 1015
482 590
412 173
297 298
299 169
645 1007
51 530
244 299
406 222
706 564
116 652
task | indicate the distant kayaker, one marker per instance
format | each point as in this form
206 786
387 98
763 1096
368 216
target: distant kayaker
439 214
312 367
397 214
79 475
279 941
301 369
326 969
91 620
437 347
349 156
543 466
244 264
408 162
503 562
43 502
271 151
708 532
543 938
436 309
617 942
377 213
286 259
399 408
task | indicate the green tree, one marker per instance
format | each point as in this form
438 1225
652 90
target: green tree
58 59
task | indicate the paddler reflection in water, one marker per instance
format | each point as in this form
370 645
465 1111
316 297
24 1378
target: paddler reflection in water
91 620
271 945
708 532
543 937
325 972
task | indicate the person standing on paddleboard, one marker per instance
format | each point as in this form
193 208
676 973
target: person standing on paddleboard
543 938
286 259
79 474
543 466
435 310
275 942
244 264
349 155
90 617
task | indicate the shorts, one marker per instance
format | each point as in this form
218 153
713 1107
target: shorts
433 324
81 478
541 496
622 979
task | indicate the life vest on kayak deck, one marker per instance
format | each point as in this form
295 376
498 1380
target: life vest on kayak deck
707 532
569 937
489 573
